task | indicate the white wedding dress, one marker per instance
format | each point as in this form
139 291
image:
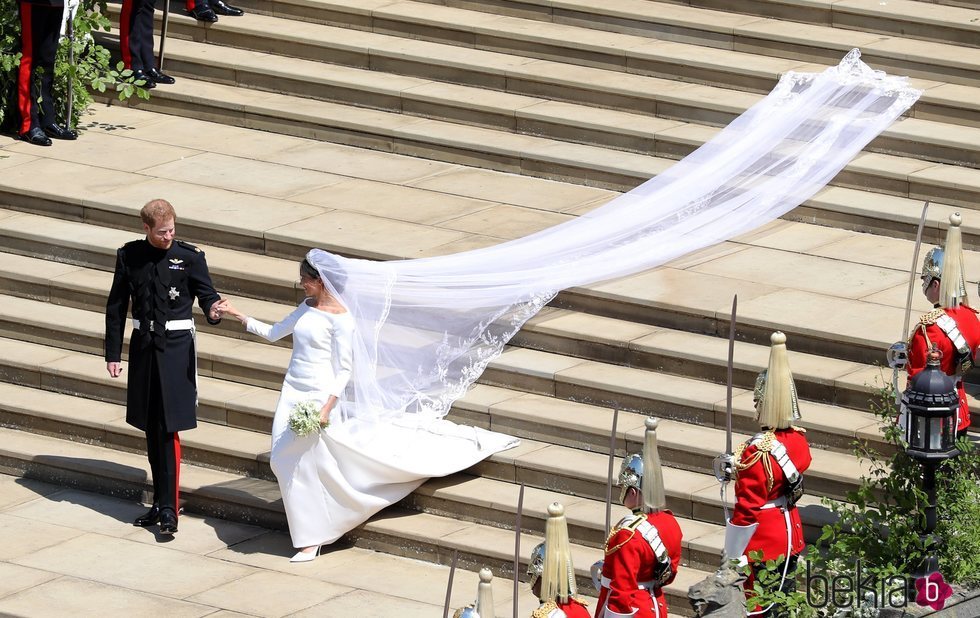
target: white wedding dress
334 481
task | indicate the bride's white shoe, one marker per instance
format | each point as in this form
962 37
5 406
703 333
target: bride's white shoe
306 556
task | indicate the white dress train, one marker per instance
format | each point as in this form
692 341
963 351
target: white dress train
334 481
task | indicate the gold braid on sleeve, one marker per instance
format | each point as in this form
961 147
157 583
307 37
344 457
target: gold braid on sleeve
762 449
544 609
613 550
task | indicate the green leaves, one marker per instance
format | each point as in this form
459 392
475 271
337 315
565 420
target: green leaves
884 516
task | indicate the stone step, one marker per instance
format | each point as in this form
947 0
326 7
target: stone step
557 331
594 337
428 536
699 52
248 500
516 71
248 407
102 423
522 154
254 363
680 97
966 4
820 379
494 503
944 21
481 500
115 472
856 327
59 238
668 139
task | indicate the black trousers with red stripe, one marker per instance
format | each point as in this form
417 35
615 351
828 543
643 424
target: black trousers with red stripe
162 450
40 28
136 35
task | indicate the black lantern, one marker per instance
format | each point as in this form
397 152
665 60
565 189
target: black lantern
930 404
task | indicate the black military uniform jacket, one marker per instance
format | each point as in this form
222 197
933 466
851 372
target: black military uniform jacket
162 285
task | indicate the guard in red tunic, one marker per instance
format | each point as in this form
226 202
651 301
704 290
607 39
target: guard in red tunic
953 326
643 550
552 573
769 471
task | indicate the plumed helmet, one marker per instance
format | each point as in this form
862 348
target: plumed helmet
483 608
653 479
557 571
484 594
631 473
776 402
536 565
952 283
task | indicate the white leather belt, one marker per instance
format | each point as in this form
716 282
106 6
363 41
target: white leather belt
778 503
605 581
187 324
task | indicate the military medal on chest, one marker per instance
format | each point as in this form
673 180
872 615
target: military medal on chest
174 293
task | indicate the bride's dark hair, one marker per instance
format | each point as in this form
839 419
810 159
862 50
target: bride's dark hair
335 274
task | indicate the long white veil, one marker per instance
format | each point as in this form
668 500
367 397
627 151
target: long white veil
426 328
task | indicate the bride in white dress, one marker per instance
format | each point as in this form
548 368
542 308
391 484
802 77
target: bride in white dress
318 371
334 481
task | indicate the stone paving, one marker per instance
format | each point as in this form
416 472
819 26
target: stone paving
65 552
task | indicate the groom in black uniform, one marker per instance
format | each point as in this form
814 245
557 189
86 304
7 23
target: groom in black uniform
162 277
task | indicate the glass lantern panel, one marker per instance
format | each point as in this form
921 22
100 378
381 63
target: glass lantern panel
936 434
949 432
917 432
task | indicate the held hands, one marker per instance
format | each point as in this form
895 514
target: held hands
217 310
224 307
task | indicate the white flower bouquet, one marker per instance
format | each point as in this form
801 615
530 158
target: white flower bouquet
304 420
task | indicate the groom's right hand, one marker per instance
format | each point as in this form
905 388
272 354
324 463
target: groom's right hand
115 369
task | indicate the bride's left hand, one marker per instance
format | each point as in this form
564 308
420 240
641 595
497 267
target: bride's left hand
325 415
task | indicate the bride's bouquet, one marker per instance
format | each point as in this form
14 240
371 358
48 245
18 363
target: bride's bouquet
304 420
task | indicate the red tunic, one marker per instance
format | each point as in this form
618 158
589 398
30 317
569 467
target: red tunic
574 609
969 326
752 492
629 561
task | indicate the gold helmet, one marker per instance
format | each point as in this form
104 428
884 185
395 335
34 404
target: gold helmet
557 571
776 402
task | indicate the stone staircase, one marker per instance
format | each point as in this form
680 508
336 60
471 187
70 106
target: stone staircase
392 130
